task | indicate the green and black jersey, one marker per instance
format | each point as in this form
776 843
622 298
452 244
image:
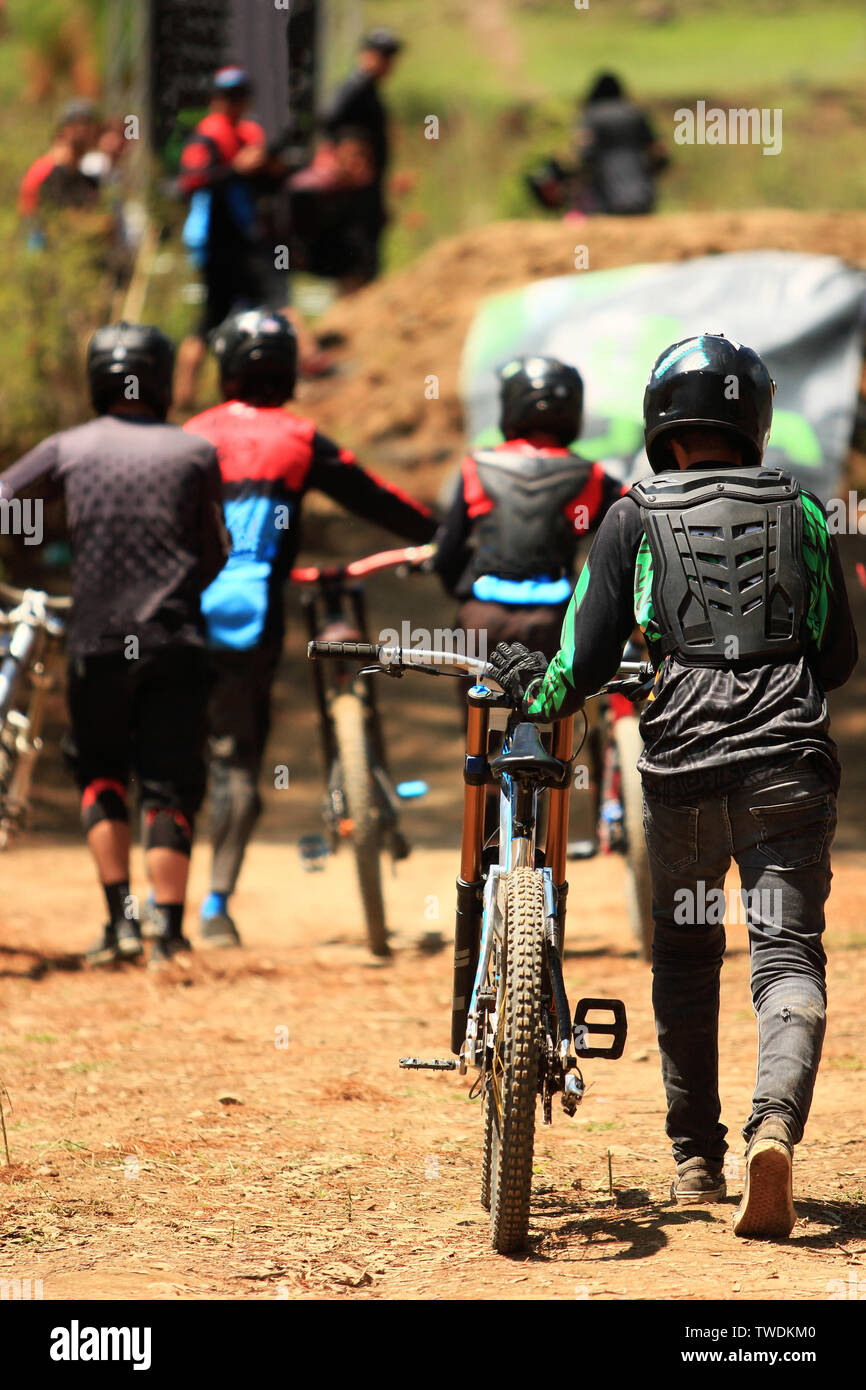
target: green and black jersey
705 729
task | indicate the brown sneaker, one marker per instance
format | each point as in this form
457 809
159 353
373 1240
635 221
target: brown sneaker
767 1208
698 1181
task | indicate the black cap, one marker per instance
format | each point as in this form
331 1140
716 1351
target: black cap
383 41
80 109
232 81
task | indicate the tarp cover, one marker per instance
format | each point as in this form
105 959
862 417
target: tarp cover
802 313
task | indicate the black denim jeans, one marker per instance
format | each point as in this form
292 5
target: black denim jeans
779 833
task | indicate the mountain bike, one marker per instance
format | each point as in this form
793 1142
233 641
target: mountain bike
361 802
510 1015
30 631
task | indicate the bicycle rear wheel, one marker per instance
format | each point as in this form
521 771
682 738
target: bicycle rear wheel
516 1057
359 789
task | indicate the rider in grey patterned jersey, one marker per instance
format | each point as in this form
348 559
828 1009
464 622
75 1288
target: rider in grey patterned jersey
144 518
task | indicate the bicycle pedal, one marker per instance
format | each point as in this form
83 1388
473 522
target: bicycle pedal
314 851
614 1027
428 1064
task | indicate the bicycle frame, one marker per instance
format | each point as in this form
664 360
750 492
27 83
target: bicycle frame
510 1016
476 906
34 625
334 599
518 819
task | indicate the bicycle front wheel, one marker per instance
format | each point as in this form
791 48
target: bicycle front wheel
350 732
516 1058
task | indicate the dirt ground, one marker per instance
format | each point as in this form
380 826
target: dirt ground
240 1128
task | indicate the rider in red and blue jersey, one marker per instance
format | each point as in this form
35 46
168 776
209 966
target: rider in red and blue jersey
269 458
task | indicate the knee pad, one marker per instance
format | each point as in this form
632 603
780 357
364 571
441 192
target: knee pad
103 799
166 828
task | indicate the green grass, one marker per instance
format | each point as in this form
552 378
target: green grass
504 104
555 50
725 50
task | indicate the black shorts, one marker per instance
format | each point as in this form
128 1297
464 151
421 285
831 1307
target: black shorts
142 718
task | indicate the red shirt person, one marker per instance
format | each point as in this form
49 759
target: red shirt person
222 168
269 459
55 175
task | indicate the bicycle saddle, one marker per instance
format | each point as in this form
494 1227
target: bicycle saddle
527 757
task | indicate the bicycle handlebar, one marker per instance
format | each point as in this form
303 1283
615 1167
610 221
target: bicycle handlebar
364 651
53 604
405 658
414 555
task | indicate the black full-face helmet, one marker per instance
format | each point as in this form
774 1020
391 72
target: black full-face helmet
540 395
710 382
257 352
129 362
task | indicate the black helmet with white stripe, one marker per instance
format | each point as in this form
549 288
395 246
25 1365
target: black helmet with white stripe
708 382
257 352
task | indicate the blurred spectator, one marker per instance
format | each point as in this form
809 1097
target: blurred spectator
331 208
56 177
619 155
357 106
101 162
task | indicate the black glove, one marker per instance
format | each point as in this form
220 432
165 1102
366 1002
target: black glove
515 668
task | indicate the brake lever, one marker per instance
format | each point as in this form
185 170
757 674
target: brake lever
632 689
395 672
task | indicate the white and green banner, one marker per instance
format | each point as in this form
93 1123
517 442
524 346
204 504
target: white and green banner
802 313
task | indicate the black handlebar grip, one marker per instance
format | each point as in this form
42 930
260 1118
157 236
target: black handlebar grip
362 651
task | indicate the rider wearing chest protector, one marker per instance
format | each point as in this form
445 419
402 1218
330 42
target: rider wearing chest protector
509 545
729 569
269 459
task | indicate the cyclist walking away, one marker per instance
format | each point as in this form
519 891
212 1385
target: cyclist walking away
730 570
509 545
144 515
269 459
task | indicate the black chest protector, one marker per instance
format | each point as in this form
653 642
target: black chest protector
729 579
526 533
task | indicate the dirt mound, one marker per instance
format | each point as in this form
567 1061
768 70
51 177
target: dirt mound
412 325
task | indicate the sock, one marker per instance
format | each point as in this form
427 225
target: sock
215 905
116 896
172 918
